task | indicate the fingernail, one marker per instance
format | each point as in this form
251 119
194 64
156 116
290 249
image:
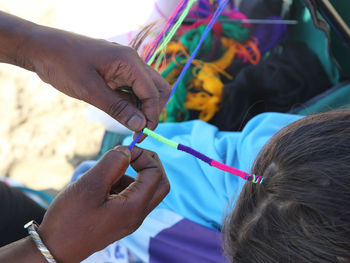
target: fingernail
123 149
136 122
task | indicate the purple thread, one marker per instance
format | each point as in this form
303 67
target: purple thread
193 152
269 35
166 31
189 61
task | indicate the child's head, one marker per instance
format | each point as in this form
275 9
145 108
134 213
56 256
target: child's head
301 211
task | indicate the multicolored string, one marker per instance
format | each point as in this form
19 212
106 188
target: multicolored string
189 61
250 177
193 55
151 49
169 30
178 146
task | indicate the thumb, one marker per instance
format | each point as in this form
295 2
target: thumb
119 105
107 171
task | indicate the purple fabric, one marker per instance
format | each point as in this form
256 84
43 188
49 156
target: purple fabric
193 152
186 242
270 35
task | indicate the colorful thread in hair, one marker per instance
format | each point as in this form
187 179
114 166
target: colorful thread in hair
249 177
168 31
193 55
151 49
172 32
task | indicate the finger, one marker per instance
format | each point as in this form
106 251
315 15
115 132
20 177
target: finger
164 91
142 137
147 92
117 104
141 195
121 184
107 171
162 85
139 157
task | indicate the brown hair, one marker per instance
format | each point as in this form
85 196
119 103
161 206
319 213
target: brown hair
301 211
140 37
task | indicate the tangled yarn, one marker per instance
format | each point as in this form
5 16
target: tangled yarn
201 88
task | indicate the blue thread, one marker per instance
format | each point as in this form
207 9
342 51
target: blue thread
193 55
205 33
135 141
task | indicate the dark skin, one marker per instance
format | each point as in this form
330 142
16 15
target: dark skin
100 208
87 69
104 205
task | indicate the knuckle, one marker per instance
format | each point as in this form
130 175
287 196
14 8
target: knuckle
167 92
117 155
153 155
166 186
117 108
157 175
153 158
158 172
87 186
128 51
167 89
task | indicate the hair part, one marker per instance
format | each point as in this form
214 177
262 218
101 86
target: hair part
301 212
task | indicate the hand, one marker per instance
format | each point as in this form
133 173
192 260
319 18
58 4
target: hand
94 71
104 205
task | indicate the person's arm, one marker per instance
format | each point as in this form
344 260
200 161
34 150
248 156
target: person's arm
21 251
103 206
88 69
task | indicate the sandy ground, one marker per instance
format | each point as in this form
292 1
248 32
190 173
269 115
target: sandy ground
43 134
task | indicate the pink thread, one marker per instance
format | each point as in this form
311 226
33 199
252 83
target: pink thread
152 47
228 169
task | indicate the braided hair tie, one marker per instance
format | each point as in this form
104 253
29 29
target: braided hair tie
249 177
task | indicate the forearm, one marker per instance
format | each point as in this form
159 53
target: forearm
23 250
15 33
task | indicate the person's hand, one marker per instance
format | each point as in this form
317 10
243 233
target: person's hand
95 71
104 205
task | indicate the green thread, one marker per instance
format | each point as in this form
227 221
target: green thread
159 60
160 138
172 31
176 110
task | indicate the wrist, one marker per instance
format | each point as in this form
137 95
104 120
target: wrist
59 247
15 36
21 251
32 230
32 251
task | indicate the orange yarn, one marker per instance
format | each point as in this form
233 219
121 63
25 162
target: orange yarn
250 51
205 88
